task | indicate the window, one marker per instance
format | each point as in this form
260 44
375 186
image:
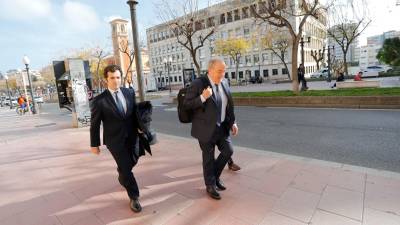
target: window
246 31
210 22
175 79
256 58
275 72
238 32
253 9
284 71
240 74
222 18
233 75
265 73
245 12
248 59
229 17
237 16
265 57
180 79
262 6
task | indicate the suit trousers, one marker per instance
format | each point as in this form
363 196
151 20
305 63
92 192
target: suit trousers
212 168
125 162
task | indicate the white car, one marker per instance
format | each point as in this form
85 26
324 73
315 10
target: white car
372 71
319 74
38 99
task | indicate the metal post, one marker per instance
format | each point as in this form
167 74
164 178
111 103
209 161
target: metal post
329 64
138 58
169 76
9 94
34 107
302 50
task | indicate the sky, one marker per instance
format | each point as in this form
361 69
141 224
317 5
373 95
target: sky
44 30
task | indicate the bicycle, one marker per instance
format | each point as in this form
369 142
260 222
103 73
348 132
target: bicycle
21 111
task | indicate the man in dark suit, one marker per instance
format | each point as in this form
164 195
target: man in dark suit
116 108
213 119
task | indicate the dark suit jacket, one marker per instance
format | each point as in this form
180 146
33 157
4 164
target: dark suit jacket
205 114
119 130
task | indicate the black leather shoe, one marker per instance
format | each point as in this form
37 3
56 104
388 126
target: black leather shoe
220 185
135 205
212 192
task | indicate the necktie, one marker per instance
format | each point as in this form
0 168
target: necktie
218 101
119 104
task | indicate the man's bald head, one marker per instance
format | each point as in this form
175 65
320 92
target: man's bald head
216 70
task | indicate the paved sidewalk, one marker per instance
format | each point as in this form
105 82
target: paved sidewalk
52 178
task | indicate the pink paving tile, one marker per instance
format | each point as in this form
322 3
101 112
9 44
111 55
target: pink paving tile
273 184
373 217
90 220
383 201
277 219
73 214
19 206
319 170
311 182
39 214
259 167
348 179
229 220
342 202
186 171
252 206
205 210
381 185
326 218
297 204
288 168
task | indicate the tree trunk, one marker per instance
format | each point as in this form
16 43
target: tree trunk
284 63
295 80
345 63
98 77
196 64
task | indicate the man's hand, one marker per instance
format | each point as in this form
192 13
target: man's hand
207 92
95 150
235 129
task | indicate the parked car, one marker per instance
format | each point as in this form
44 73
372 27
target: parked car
39 99
254 80
321 73
372 71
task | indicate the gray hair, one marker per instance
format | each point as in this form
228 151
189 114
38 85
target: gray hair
215 61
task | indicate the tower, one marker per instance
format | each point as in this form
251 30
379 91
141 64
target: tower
119 30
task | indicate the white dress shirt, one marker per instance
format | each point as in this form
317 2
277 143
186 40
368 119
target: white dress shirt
224 98
121 97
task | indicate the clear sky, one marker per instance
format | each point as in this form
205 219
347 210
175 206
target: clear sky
46 29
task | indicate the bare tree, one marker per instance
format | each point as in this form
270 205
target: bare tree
99 54
278 44
190 26
318 56
348 20
130 53
282 14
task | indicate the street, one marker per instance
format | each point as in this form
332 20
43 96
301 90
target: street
368 138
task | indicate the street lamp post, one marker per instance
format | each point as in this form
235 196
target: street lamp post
160 82
138 58
302 47
26 61
329 61
167 64
8 92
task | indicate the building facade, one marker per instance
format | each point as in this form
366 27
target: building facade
232 18
368 53
352 54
